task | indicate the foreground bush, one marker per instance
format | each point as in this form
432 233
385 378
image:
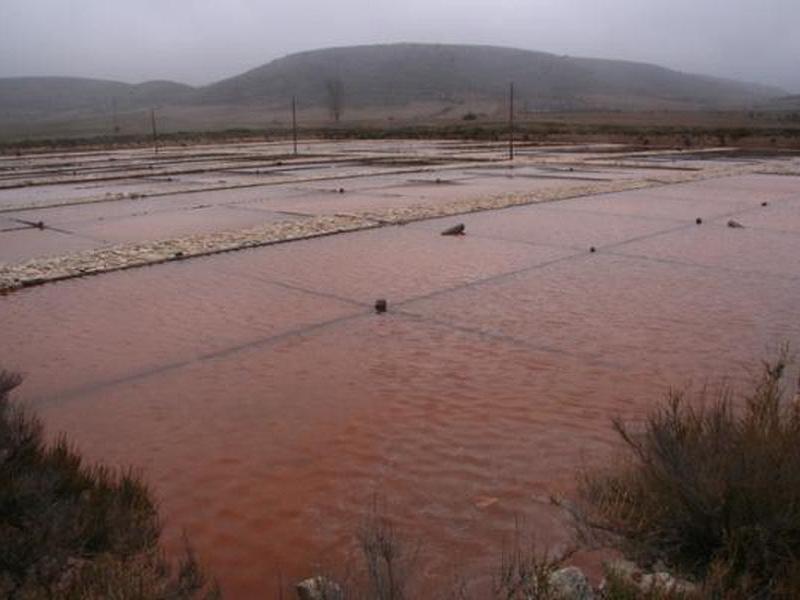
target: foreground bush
711 490
69 530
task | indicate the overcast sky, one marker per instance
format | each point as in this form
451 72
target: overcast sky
200 41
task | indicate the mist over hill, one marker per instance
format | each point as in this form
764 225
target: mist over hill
387 76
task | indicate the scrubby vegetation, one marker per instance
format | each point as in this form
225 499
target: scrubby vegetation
711 490
70 530
665 132
525 570
388 560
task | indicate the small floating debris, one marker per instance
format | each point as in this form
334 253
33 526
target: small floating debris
592 249
765 203
735 224
699 221
341 190
381 305
484 502
39 224
455 230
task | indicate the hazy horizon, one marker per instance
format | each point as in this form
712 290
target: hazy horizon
208 41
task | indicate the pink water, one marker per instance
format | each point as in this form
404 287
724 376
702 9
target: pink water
267 403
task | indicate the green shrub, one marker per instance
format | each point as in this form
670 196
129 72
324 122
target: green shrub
711 489
70 530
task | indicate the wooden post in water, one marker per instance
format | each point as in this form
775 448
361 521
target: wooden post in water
294 123
155 131
511 122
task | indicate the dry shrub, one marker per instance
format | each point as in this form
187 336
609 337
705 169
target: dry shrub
70 530
525 570
390 561
711 489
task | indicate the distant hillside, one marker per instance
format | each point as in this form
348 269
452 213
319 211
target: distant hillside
49 96
400 73
384 77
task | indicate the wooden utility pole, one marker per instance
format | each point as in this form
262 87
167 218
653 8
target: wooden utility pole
294 123
511 122
114 120
155 131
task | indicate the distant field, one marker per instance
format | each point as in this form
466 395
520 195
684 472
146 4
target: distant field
481 120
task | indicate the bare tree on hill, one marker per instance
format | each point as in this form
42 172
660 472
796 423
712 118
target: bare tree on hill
335 97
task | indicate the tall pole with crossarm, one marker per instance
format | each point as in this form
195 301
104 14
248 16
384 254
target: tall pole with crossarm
294 123
155 131
511 121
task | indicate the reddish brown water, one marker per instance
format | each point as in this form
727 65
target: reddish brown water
267 403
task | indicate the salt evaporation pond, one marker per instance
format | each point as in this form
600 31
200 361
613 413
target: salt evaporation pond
268 404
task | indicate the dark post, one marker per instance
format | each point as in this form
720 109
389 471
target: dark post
511 122
294 123
114 120
155 131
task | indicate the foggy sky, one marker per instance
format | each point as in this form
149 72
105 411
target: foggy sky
200 41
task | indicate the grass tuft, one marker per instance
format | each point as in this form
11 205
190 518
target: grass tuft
390 561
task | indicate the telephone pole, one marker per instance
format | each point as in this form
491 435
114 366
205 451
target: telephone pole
114 120
511 122
155 131
294 123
